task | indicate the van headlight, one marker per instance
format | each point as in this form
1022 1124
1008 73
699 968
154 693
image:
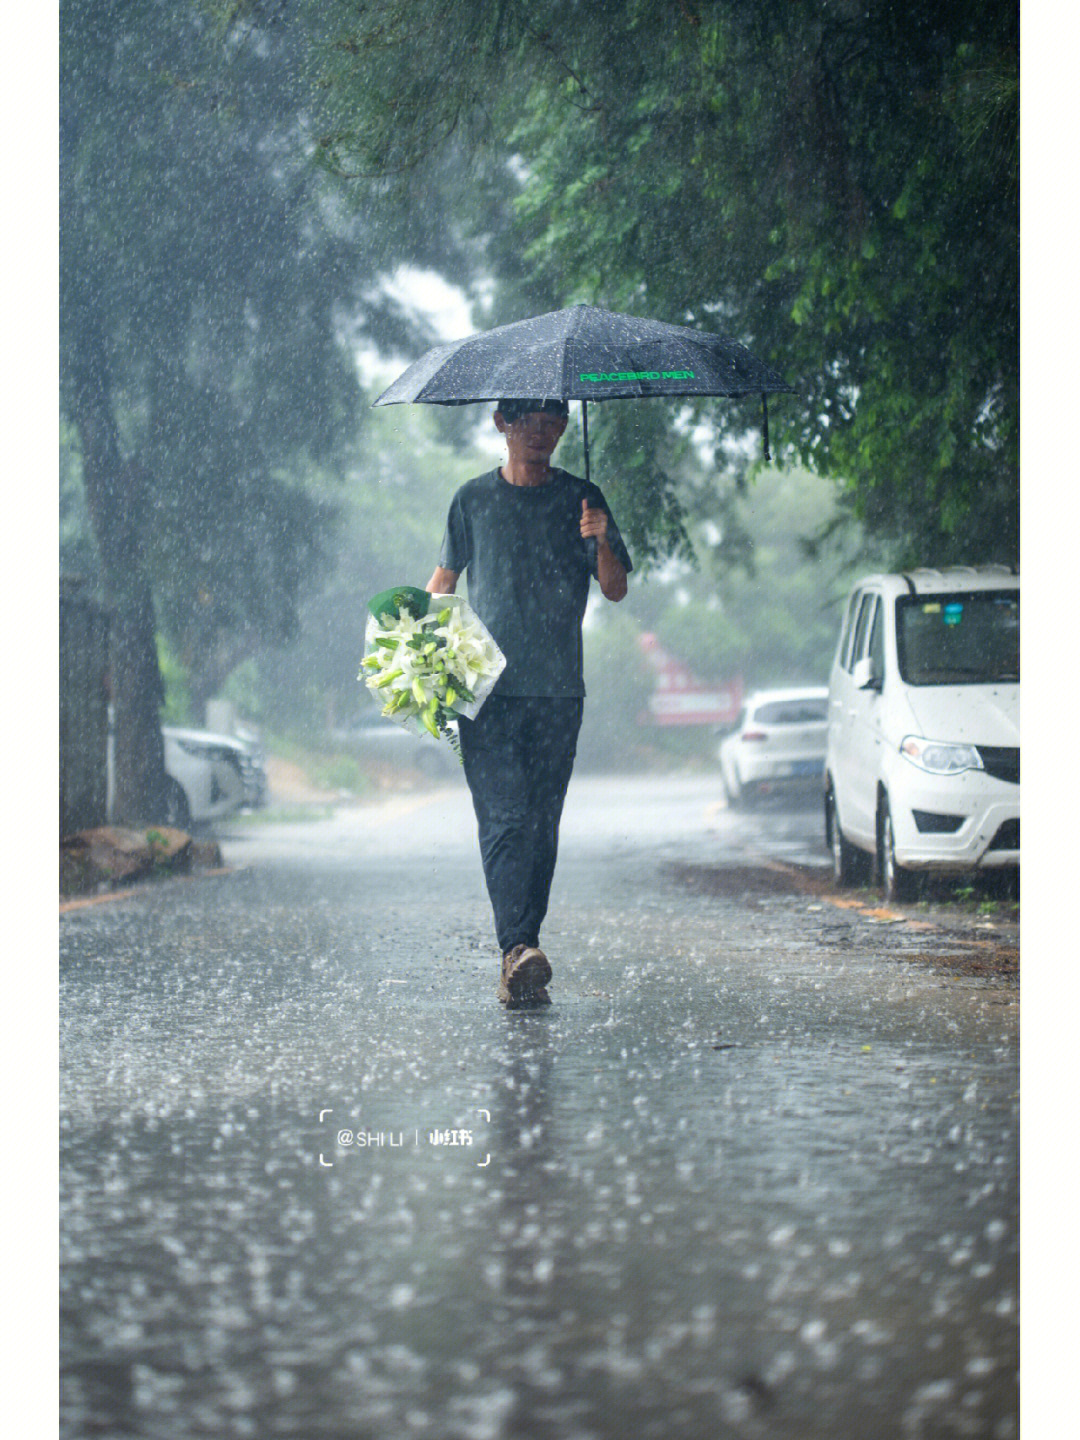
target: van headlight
939 757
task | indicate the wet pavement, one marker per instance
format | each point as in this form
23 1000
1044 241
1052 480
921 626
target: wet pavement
752 1174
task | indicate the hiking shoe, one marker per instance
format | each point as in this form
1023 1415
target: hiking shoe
525 972
527 1000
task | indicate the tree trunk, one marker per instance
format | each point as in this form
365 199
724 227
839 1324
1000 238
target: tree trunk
138 695
116 500
209 667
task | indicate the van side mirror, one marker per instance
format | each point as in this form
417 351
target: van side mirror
865 676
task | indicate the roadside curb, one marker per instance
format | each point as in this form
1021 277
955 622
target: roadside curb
128 892
878 914
1001 944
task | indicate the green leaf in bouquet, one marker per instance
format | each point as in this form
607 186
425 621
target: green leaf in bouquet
401 599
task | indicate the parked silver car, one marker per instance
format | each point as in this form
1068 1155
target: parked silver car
253 768
209 775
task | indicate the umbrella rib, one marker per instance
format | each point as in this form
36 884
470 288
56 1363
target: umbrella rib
577 319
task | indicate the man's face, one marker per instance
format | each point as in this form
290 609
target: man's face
531 438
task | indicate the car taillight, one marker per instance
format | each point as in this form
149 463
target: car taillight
753 735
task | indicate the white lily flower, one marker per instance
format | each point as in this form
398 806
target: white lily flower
420 684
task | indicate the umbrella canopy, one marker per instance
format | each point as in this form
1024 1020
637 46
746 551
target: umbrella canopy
582 353
585 353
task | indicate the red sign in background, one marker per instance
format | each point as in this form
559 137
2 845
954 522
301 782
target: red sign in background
680 698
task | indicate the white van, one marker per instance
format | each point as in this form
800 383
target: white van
922 762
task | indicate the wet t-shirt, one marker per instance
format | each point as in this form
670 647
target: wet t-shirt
527 568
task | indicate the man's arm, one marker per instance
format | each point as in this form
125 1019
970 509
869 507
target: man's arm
442 582
610 571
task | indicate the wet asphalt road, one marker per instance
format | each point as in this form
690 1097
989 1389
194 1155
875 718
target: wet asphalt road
752 1174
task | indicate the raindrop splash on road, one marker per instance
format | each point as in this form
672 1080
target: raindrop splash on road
738 1176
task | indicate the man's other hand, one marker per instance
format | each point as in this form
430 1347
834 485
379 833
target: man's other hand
593 523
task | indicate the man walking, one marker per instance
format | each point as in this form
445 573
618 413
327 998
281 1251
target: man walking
529 536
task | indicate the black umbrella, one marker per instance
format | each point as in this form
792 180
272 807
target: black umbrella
584 353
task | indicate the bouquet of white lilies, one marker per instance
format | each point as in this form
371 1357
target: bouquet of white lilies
429 658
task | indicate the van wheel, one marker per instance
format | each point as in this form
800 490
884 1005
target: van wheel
897 885
177 809
849 865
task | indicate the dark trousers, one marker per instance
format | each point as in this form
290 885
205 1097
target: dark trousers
518 754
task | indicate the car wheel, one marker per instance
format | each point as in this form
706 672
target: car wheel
731 791
849 865
177 809
897 885
749 795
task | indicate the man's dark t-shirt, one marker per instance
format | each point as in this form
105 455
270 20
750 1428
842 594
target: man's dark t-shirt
528 569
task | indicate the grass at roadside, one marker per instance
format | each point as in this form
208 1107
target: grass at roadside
988 896
994 895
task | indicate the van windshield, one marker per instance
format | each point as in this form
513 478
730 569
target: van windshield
966 638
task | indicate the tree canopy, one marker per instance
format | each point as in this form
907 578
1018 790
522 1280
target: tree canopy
835 184
212 288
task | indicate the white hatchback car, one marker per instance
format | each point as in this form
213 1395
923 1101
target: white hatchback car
778 741
207 775
922 766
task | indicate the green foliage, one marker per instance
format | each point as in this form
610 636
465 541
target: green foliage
707 636
835 185
243 689
177 709
638 460
761 603
227 282
767 608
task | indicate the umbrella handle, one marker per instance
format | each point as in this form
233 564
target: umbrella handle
765 423
585 434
